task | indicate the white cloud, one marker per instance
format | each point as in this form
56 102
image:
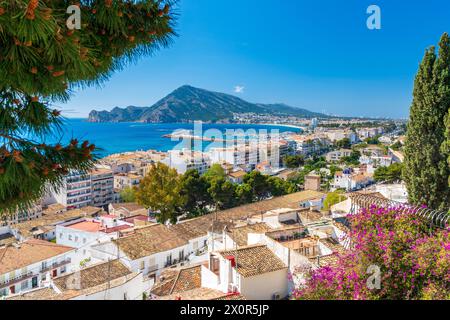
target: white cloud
239 89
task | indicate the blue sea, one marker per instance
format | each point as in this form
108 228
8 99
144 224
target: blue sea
121 137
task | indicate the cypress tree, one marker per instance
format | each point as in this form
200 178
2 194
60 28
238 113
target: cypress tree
426 171
42 61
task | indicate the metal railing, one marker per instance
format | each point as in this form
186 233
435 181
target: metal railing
436 218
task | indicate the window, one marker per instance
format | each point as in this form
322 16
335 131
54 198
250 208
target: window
70 237
60 235
76 238
63 269
195 245
84 240
142 265
44 265
181 255
24 285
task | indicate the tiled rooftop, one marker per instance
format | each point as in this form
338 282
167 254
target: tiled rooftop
28 252
203 294
175 281
149 240
50 218
95 275
240 234
254 260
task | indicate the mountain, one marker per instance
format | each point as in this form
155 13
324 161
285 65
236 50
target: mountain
187 103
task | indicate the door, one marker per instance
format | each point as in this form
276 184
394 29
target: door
55 273
12 289
34 282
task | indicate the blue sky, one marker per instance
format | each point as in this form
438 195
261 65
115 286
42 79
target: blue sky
317 55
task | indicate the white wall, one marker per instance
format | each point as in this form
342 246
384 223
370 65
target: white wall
264 286
131 290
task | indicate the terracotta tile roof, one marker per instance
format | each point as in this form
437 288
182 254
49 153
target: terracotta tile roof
88 226
308 216
240 234
95 275
27 253
50 218
39 294
201 225
92 280
254 260
331 259
149 240
333 245
176 281
237 174
231 296
203 294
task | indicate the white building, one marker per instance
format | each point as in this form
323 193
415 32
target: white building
184 160
25 265
148 250
351 181
253 271
76 191
80 233
34 212
105 281
102 187
336 156
126 180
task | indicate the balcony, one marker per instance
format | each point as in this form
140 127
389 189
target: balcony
55 265
18 279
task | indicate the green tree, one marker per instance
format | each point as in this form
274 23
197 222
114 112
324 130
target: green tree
293 161
244 194
352 159
389 174
344 143
373 140
42 62
396 146
160 191
446 143
128 194
195 189
332 199
279 187
259 185
223 193
216 171
426 171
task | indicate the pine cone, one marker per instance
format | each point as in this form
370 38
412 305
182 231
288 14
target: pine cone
17 156
58 73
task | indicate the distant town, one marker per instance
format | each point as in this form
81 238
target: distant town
90 224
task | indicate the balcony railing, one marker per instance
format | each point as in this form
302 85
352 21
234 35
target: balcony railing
17 279
55 265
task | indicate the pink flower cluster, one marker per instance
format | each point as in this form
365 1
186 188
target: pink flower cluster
413 258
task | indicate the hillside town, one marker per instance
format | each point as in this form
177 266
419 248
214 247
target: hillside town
84 241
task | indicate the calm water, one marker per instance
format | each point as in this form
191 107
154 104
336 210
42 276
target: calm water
121 137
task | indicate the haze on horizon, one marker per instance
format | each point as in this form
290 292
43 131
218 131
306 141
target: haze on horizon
314 55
